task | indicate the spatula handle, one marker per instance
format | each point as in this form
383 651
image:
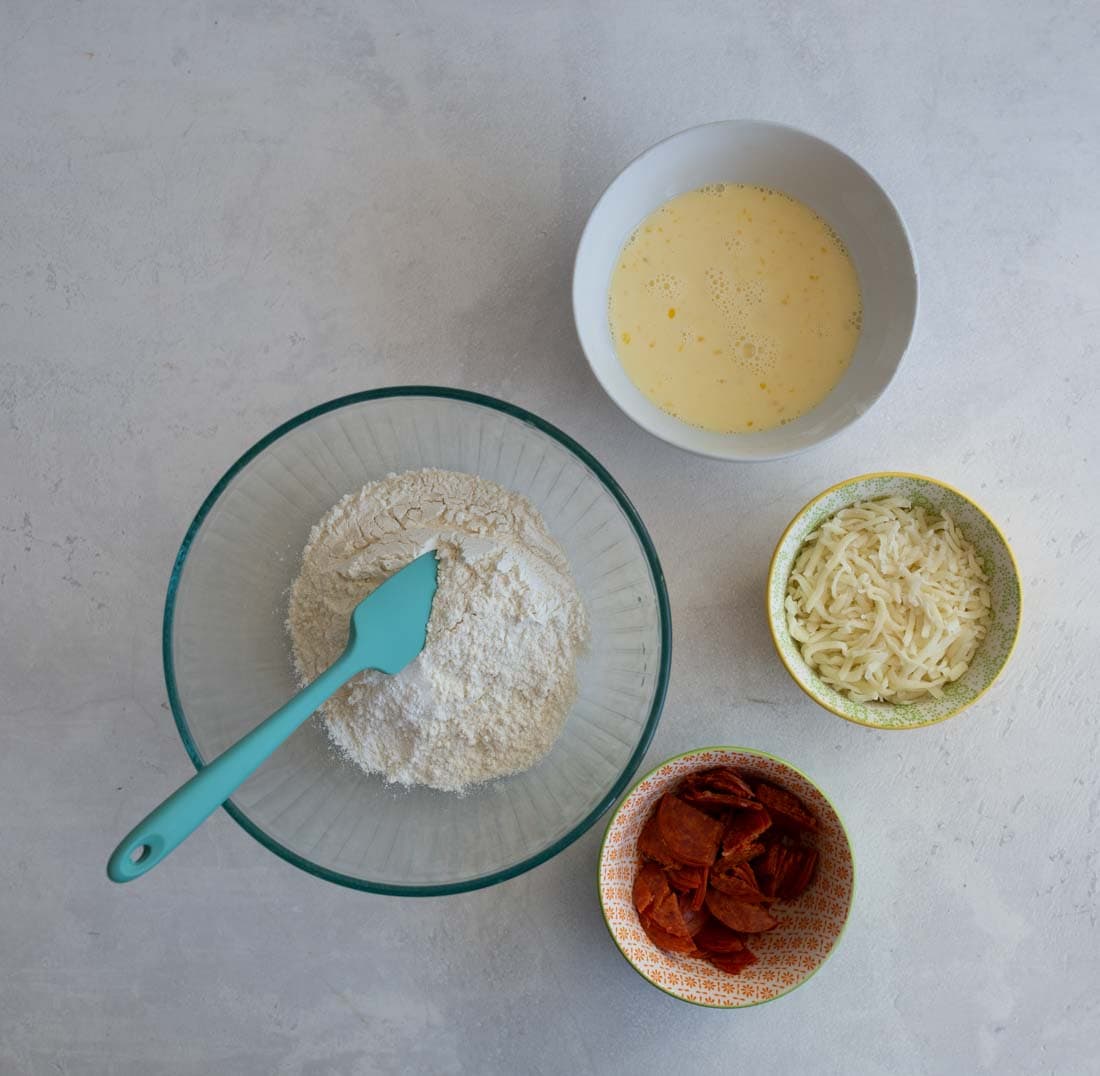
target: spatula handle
168 825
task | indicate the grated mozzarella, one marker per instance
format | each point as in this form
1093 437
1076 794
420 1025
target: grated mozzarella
888 601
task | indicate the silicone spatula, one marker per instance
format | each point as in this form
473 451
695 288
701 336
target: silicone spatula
388 628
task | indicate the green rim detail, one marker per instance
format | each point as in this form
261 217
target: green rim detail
656 574
757 754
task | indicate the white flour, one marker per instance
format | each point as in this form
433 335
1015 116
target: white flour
489 693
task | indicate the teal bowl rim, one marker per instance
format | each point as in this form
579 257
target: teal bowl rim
659 587
759 754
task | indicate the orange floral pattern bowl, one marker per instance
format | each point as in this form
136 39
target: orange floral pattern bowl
809 928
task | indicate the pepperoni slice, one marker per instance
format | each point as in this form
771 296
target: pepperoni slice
711 790
716 937
650 887
771 868
687 878
733 963
738 882
695 918
663 940
738 915
786 809
652 846
713 802
655 901
797 883
692 836
719 779
667 914
743 828
792 871
741 855
701 890
785 872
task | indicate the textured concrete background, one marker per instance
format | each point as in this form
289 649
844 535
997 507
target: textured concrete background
214 215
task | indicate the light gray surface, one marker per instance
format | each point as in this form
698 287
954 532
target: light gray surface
213 216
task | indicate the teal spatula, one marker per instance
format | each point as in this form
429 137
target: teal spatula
387 631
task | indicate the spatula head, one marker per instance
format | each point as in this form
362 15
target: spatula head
388 626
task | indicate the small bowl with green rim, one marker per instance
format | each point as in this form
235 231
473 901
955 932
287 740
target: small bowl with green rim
809 929
994 554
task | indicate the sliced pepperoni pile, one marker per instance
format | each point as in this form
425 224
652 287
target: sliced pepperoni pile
717 851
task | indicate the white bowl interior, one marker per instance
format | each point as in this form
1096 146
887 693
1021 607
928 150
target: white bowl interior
831 183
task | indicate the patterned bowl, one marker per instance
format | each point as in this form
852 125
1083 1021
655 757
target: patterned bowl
993 552
787 956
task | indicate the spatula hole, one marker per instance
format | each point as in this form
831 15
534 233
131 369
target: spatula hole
140 854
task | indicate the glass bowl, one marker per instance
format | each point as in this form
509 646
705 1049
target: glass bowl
227 655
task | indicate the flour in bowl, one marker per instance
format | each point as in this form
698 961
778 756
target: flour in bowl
490 691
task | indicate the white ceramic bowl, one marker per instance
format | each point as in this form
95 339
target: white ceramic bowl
821 176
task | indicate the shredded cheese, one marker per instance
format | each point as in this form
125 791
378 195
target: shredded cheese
888 601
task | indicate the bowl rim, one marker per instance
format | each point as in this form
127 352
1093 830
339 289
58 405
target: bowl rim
744 751
772 567
659 586
786 128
